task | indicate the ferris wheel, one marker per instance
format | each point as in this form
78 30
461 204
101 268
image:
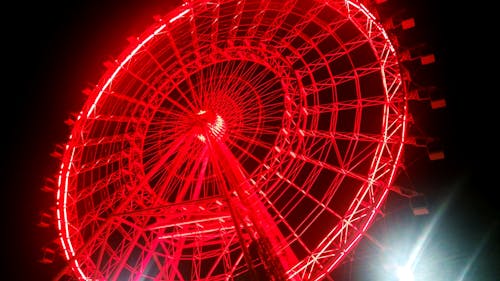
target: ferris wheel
234 140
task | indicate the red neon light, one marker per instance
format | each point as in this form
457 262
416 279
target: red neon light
232 148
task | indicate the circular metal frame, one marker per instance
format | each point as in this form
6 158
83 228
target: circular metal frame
234 139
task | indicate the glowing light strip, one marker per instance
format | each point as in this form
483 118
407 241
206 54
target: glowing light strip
65 217
58 212
126 60
183 13
373 19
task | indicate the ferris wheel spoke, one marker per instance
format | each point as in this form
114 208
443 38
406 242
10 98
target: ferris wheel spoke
231 89
250 141
256 75
268 87
165 186
176 103
199 166
171 150
210 84
186 107
218 86
153 89
271 103
196 102
246 152
268 131
201 176
189 107
162 134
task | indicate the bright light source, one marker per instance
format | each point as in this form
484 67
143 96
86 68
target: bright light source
404 273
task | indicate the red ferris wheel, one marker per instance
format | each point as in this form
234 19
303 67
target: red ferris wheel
234 140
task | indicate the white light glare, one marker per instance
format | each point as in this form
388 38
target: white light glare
404 273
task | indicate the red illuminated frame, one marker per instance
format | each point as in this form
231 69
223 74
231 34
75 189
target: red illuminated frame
234 139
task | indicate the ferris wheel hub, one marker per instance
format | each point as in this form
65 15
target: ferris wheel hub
208 124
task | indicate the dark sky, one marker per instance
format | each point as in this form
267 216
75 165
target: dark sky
54 50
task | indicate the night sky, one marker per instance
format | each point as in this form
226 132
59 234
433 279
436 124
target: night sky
55 50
